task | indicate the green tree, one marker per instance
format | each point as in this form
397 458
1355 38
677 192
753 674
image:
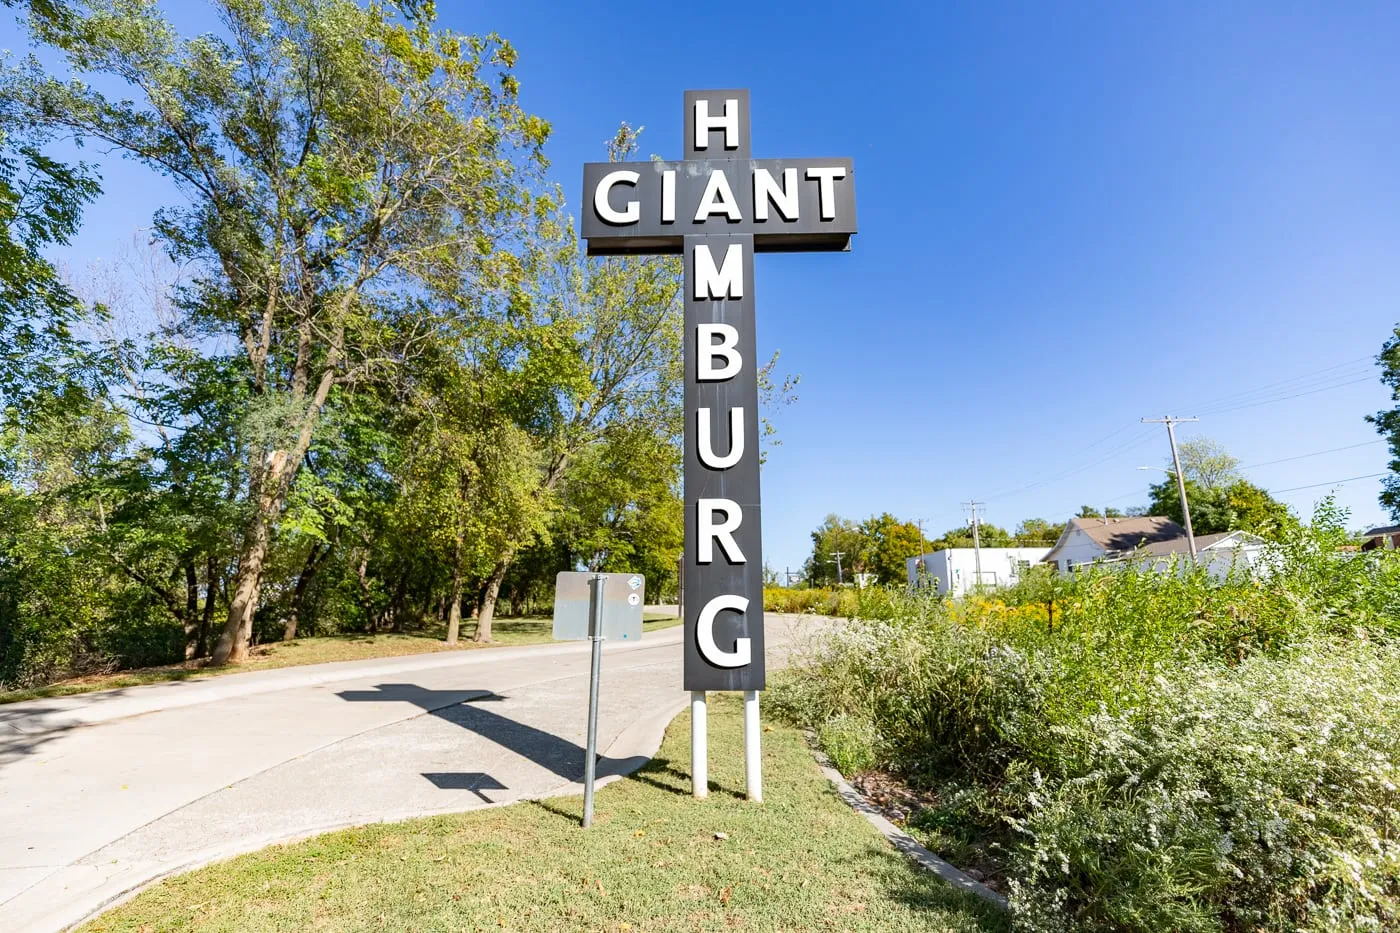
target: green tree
887 544
835 534
337 160
961 536
1034 532
1387 422
1239 506
1207 463
41 203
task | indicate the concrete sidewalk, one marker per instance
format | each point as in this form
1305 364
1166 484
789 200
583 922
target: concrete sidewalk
100 794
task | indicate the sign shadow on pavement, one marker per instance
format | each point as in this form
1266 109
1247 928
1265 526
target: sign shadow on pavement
459 707
474 781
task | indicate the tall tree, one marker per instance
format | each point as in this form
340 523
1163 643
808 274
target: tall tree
1207 463
835 534
338 161
1388 422
41 203
1239 506
888 543
1035 532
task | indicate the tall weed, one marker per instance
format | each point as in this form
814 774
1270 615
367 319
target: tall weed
1157 749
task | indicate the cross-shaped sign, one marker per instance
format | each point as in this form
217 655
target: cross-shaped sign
716 209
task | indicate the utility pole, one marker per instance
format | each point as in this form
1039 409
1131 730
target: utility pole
1171 424
974 505
919 569
839 580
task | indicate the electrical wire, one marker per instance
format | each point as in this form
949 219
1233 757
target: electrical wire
1315 453
1335 482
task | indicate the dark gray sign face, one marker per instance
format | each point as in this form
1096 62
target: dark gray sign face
717 209
723 545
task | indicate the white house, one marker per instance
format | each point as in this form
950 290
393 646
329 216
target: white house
954 570
1219 553
1382 539
1151 541
1086 540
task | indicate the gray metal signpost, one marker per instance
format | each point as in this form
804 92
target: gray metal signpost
601 618
716 208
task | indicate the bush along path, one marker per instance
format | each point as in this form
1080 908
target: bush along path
654 860
1171 753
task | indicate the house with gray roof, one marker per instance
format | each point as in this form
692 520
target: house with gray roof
1152 542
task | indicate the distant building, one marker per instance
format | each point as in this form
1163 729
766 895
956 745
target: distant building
954 570
1219 553
1382 539
1151 542
1086 540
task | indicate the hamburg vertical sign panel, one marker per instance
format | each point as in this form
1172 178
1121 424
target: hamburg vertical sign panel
716 208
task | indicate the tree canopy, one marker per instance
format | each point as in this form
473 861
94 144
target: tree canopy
370 381
1387 423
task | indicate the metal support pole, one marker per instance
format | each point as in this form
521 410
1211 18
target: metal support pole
595 636
753 762
699 754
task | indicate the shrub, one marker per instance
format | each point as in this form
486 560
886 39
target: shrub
1263 797
1156 750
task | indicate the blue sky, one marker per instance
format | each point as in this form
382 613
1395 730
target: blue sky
1072 216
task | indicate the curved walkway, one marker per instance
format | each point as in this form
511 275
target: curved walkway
102 793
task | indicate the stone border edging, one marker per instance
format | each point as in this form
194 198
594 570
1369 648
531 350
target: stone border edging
903 841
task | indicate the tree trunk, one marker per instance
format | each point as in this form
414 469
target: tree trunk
454 612
488 602
233 642
399 607
191 619
362 572
206 618
308 571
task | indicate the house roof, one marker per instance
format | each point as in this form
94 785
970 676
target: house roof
1120 534
1225 539
1127 534
1377 532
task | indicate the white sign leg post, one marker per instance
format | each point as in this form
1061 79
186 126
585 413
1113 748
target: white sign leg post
699 754
753 764
595 636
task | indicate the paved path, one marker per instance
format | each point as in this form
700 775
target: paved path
99 794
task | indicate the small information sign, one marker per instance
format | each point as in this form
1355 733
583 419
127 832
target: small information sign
622 606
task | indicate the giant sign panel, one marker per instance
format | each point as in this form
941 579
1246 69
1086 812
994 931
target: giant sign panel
717 208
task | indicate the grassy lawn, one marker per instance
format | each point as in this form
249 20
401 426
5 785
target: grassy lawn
319 650
655 860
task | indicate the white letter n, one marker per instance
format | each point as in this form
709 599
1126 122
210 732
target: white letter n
726 282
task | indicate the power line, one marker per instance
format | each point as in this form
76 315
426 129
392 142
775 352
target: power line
1284 398
1315 453
1072 471
1335 482
1303 384
1292 383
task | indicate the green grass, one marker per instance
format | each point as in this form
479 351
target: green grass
651 862
319 650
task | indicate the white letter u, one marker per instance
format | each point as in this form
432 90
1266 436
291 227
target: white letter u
707 444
